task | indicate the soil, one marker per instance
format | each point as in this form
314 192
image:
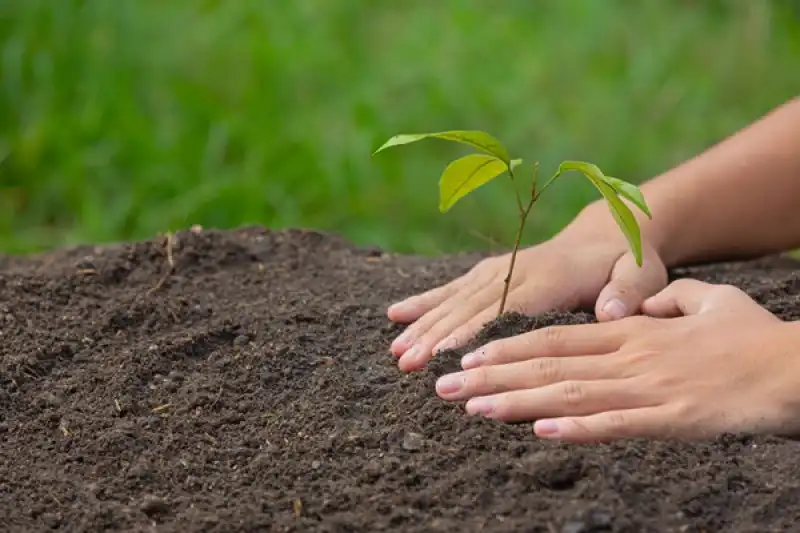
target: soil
249 387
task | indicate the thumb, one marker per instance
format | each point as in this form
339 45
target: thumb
687 297
630 284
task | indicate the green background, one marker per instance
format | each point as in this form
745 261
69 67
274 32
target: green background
120 119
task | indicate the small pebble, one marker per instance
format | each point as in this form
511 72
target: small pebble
50 399
594 520
51 520
153 505
574 526
412 442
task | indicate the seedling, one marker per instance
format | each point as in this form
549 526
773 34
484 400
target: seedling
469 172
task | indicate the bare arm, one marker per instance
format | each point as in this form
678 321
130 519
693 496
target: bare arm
739 199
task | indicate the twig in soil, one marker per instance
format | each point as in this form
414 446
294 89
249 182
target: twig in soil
161 408
170 262
58 502
216 400
402 273
117 405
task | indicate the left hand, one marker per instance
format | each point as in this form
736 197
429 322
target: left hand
707 360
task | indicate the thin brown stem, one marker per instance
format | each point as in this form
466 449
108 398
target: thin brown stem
523 217
516 189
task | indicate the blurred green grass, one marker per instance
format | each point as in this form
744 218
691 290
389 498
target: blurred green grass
122 119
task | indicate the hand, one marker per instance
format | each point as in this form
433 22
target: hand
578 268
724 365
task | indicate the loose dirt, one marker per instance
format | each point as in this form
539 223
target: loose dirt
249 387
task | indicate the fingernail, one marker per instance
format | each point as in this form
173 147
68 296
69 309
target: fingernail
546 428
450 383
472 360
480 406
404 338
615 308
411 354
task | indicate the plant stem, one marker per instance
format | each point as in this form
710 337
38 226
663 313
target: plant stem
516 189
523 217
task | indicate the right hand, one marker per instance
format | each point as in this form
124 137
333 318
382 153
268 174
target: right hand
574 269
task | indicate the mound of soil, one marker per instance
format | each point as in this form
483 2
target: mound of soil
249 387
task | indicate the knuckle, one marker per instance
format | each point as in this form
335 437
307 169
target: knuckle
478 379
637 359
547 369
616 422
573 393
685 411
663 382
550 338
502 350
683 284
728 290
641 323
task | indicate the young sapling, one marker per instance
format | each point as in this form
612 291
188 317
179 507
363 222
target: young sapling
469 172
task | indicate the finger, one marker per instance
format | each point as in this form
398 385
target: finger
656 422
410 309
439 323
530 301
552 341
689 297
487 380
462 334
629 285
567 398
410 336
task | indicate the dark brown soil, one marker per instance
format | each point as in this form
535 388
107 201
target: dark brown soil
253 390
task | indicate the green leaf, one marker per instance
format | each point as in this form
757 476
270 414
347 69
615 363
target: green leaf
631 192
466 174
621 212
478 139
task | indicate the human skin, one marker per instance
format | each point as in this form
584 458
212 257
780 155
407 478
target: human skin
695 361
735 200
701 360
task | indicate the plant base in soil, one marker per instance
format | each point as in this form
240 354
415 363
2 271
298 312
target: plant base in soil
249 387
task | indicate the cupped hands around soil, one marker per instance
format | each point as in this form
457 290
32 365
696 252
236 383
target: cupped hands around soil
241 381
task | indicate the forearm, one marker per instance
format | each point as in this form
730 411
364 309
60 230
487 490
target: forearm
739 199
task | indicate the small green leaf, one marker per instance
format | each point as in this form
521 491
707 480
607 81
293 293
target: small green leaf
466 174
621 212
631 192
478 139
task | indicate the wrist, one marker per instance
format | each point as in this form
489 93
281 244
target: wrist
596 221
